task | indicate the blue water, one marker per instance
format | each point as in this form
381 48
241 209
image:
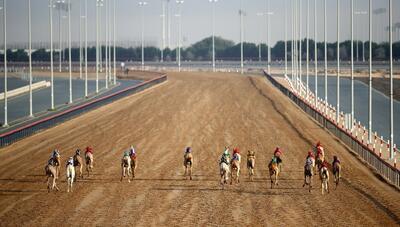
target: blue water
380 104
18 107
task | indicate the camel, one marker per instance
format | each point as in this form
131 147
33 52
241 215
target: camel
273 171
324 177
336 169
70 175
308 173
235 168
224 171
251 160
89 162
188 163
126 167
134 163
319 160
51 172
78 164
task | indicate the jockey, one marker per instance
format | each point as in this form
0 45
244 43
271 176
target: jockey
188 150
335 160
277 154
70 161
236 154
89 150
55 153
126 153
309 158
324 165
78 152
320 149
132 153
225 156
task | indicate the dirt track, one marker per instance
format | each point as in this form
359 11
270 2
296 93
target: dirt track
206 111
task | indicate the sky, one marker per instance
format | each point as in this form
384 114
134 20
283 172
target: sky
196 18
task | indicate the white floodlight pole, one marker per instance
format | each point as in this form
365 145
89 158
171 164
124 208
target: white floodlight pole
286 68
30 58
391 77
268 39
326 61
370 76
80 40
300 48
308 48
241 36
141 5
51 54
292 41
213 33
352 61
179 2
338 64
86 45
315 54
5 63
106 43
60 4
69 51
114 52
98 2
163 31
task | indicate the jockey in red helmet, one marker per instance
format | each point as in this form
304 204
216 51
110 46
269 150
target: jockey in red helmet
89 150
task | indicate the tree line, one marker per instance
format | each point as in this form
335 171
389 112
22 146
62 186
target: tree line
224 50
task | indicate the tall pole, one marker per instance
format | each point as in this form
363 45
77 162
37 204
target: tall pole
80 40
338 65
168 25
5 63
352 61
370 76
268 37
114 52
163 31
106 44
391 77
141 5
60 33
51 54
180 2
30 58
292 41
300 48
97 45
315 54
326 61
308 47
241 36
86 54
213 33
69 51
286 68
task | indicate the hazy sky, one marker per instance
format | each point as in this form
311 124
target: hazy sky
196 20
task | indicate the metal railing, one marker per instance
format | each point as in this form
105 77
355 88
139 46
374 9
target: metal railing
14 135
389 172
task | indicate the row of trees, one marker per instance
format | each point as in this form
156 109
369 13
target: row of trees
225 50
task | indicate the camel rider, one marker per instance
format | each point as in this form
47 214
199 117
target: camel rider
225 156
53 156
335 160
70 161
132 152
188 150
236 154
309 158
89 150
320 149
324 165
277 154
78 151
126 153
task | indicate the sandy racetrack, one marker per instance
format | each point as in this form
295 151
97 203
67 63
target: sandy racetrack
207 112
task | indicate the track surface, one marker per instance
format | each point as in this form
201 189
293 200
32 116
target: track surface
207 112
